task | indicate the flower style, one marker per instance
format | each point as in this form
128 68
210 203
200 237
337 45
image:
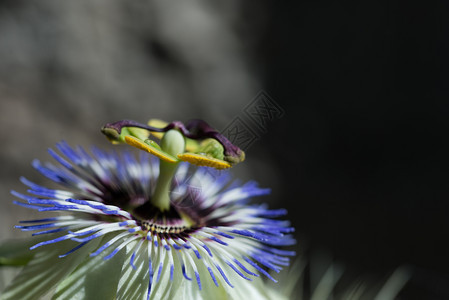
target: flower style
140 228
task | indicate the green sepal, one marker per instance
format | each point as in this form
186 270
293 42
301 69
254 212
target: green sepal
16 253
46 270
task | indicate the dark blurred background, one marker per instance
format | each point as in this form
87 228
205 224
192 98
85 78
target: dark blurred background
358 154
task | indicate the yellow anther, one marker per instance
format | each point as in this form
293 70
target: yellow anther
135 142
201 160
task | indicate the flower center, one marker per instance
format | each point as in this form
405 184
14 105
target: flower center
171 221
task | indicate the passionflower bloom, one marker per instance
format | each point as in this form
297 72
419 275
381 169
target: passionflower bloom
122 226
